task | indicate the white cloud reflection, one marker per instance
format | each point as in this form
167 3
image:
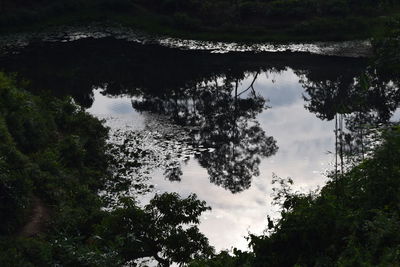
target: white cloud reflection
303 142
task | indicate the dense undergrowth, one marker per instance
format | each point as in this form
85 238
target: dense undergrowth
353 221
53 150
238 20
355 218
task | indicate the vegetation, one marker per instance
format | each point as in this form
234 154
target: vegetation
52 150
353 221
387 51
54 157
240 20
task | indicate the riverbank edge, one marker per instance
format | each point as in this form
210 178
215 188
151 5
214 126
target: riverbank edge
15 42
158 24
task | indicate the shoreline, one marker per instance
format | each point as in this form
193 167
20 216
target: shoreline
14 42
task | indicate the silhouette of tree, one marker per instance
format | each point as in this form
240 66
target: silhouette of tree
359 105
222 121
165 229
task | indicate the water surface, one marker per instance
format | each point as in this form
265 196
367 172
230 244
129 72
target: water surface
218 125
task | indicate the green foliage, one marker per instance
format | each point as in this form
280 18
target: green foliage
352 221
331 27
387 49
250 8
163 229
238 258
278 19
185 22
53 150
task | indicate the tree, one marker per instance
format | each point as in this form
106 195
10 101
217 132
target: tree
165 229
223 120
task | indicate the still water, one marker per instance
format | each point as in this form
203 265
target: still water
303 141
218 125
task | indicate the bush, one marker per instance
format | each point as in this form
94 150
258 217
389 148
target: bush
185 22
249 9
52 150
292 8
352 221
117 5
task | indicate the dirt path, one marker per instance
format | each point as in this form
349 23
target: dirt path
37 219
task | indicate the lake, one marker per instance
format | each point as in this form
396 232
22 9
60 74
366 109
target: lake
220 125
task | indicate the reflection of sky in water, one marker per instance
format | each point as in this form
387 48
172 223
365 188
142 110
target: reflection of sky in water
120 109
303 142
396 115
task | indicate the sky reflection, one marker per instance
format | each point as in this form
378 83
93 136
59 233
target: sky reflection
303 140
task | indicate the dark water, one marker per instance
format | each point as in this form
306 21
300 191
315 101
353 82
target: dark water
218 125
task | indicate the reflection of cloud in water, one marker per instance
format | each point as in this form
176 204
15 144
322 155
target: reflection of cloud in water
108 108
281 89
396 115
164 145
232 215
303 140
121 108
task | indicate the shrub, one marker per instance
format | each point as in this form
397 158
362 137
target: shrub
185 22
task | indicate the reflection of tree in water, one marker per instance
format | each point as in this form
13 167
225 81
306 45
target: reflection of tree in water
359 105
137 153
224 121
